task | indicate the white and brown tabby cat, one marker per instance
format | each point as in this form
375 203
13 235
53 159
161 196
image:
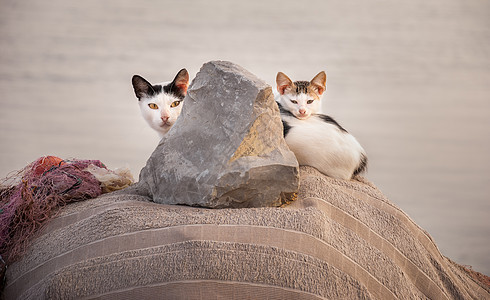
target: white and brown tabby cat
316 139
160 104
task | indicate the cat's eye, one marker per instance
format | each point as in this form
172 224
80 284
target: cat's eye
310 101
175 104
294 101
153 105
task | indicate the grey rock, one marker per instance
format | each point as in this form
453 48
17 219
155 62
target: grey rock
227 147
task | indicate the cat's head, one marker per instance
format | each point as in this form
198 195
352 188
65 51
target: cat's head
302 98
160 104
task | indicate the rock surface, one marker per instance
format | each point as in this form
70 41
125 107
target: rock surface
226 149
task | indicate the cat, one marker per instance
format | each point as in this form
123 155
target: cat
161 104
316 139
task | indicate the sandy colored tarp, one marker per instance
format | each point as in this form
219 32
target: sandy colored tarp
339 240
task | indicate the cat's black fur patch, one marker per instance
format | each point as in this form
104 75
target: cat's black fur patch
324 118
171 88
362 165
143 87
286 128
157 88
168 89
330 120
284 111
302 86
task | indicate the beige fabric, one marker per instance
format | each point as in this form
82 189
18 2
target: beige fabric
339 240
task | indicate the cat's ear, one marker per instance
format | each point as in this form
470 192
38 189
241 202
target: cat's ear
320 82
181 81
283 83
142 88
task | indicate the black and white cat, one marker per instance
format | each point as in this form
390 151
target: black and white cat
160 104
316 139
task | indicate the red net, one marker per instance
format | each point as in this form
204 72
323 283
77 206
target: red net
31 196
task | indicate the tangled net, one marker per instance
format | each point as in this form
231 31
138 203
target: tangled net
33 195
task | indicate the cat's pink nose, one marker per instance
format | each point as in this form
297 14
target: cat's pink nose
302 111
164 119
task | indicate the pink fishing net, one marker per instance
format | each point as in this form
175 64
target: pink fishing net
34 194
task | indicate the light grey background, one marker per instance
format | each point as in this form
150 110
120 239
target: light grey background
411 80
